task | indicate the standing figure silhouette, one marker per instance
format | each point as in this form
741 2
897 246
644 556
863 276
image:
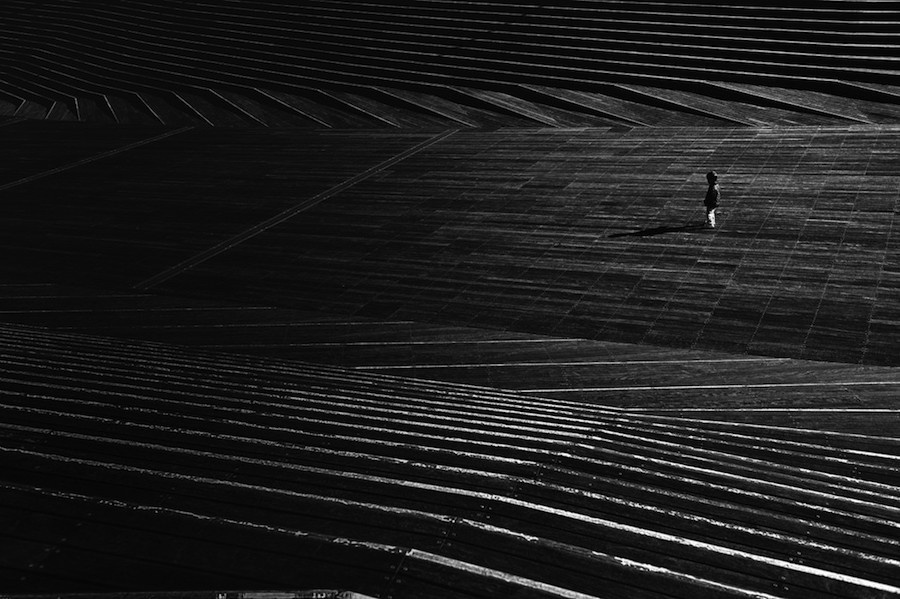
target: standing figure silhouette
712 199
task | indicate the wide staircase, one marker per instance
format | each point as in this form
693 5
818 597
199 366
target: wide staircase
332 63
186 441
136 465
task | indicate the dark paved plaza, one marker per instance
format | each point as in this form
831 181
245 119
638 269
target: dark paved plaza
353 300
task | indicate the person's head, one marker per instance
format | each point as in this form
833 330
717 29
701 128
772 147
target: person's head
712 177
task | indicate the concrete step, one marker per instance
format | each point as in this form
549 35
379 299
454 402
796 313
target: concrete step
363 409
629 541
179 50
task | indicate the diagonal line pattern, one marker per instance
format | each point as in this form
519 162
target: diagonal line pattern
94 158
285 215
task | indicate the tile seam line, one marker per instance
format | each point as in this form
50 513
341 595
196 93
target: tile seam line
287 214
94 158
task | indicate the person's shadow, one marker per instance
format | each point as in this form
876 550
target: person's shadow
661 231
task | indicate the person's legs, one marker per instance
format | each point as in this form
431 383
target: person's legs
711 218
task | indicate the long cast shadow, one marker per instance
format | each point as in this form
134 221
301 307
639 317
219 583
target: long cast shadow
661 231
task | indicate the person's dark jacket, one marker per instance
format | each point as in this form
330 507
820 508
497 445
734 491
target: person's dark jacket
712 197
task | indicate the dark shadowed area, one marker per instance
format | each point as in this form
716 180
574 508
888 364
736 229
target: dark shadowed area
357 299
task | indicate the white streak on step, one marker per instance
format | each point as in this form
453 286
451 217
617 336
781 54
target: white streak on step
694 579
496 574
561 363
712 387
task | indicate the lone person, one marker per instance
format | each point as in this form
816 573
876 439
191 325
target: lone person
712 199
